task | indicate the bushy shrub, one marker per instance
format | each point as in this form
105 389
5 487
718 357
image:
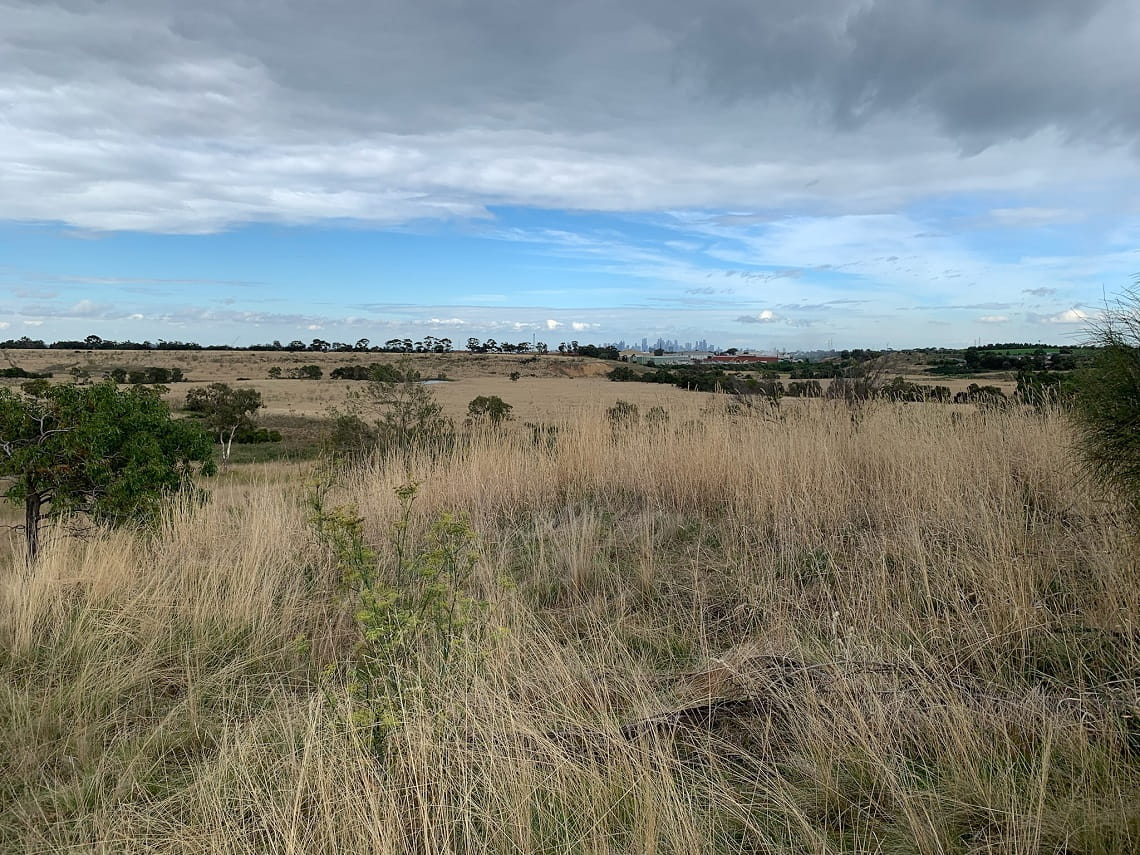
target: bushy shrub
406 415
351 439
308 372
623 413
376 371
488 410
1107 402
804 389
154 375
20 373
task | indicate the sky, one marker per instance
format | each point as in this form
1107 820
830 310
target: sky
770 174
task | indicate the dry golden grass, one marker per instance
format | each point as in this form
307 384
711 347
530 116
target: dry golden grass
550 387
911 630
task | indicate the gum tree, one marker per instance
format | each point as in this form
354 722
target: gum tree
113 455
226 411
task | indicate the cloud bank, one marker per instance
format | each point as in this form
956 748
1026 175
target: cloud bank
168 116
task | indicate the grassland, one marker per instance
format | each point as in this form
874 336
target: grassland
909 628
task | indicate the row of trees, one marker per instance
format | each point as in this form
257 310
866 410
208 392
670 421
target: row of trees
428 344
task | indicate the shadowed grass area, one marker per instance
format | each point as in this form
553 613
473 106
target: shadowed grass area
781 632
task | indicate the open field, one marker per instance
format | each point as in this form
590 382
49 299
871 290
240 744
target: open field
908 629
549 388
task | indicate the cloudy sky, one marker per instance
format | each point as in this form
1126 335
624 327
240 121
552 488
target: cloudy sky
764 173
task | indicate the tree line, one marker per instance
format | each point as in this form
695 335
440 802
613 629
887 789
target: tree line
427 344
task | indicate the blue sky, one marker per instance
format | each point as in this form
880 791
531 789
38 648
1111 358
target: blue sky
773 175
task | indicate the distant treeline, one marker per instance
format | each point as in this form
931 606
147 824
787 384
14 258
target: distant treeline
1033 387
428 344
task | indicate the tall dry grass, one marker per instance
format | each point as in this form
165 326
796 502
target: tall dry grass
913 630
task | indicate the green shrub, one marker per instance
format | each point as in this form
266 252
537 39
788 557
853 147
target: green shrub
351 439
1107 403
308 372
488 409
405 414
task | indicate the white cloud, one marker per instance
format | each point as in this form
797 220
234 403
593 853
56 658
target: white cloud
194 117
1074 315
765 317
582 326
4 325
33 323
993 319
553 325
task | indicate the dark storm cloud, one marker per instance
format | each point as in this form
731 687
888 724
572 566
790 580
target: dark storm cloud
177 116
987 71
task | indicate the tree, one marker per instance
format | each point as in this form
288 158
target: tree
406 414
1107 402
225 410
113 455
488 410
308 372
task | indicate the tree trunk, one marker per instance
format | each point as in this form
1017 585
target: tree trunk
227 444
33 508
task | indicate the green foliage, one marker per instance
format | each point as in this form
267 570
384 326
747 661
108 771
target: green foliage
804 389
411 610
488 410
275 372
623 374
351 439
860 382
19 373
1107 403
225 411
377 371
253 435
406 415
900 389
152 374
986 397
763 387
93 449
1041 389
514 375
308 372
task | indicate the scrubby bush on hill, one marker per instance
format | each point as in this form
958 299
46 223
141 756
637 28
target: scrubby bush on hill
1108 400
489 410
151 374
400 412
